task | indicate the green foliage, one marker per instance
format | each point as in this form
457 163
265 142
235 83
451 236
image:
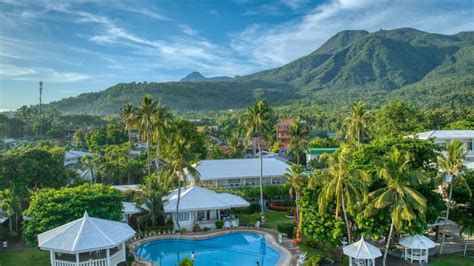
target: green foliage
50 208
313 261
186 262
286 228
196 228
250 193
219 224
397 118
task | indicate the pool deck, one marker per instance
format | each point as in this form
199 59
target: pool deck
287 256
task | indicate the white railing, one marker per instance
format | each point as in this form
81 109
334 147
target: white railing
117 257
99 262
64 263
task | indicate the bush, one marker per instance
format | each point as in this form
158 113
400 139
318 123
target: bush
196 228
205 229
219 224
183 231
313 261
287 228
186 262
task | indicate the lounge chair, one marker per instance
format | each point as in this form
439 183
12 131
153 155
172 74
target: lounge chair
301 259
234 223
280 239
227 225
257 224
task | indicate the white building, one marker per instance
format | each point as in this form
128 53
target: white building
240 172
72 158
87 241
443 137
202 206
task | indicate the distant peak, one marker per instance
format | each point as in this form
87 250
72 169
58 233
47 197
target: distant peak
196 76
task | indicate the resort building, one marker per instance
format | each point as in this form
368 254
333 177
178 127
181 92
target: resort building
203 207
443 137
73 158
283 133
314 153
240 172
87 241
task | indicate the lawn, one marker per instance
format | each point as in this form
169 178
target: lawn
448 260
273 218
24 256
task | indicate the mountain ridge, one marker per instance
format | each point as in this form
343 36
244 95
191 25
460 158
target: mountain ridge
351 65
197 77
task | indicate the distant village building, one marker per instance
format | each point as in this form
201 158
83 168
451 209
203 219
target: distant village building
443 137
240 172
315 153
283 133
73 158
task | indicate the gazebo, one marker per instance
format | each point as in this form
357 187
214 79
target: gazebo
87 241
361 253
416 247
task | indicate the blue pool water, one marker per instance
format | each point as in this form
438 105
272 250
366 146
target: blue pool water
241 249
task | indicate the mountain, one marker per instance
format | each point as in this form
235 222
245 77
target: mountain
431 70
196 76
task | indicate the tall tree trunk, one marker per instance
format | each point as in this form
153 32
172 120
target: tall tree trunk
177 205
297 157
447 216
387 246
148 149
346 219
129 155
10 223
262 207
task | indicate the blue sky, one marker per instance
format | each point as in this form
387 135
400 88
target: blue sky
82 46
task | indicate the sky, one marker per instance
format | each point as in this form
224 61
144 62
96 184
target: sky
82 46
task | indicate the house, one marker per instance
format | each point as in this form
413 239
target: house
283 133
314 153
443 137
8 143
72 158
240 172
202 207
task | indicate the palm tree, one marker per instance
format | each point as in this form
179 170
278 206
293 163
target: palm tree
342 184
145 120
298 135
356 123
235 146
296 182
127 115
398 196
177 166
8 205
162 121
451 165
151 194
257 123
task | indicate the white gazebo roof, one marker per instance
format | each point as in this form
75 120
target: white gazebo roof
362 250
85 234
194 198
417 242
130 208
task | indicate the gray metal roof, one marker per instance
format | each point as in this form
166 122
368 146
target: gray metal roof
446 134
85 234
195 198
239 168
362 250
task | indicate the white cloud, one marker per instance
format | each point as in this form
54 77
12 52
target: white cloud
14 72
188 30
275 45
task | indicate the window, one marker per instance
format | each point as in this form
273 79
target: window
234 182
207 182
183 216
200 215
469 146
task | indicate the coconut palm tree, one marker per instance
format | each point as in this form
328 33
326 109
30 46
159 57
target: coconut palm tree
127 115
356 123
298 134
145 120
235 146
258 124
296 181
151 194
451 166
398 196
162 121
178 165
340 183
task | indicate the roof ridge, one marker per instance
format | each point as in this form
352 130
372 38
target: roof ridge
65 228
84 219
100 231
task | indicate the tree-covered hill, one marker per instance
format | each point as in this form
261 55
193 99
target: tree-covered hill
429 69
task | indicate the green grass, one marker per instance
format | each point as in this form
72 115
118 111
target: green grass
24 256
451 260
273 218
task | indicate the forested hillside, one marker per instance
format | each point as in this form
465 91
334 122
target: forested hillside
431 70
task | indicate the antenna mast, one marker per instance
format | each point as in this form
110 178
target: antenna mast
41 108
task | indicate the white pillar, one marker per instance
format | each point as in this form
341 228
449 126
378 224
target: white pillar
350 261
52 258
77 258
108 258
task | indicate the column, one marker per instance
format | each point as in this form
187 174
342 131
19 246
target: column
124 252
108 258
77 258
53 257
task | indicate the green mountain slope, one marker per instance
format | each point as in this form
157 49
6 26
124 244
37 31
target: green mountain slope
429 69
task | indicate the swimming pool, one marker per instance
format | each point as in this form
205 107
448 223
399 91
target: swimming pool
240 248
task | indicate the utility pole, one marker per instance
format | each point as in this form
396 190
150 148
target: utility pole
40 109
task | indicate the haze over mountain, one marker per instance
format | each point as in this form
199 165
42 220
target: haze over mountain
425 68
196 77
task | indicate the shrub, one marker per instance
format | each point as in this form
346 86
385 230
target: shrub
219 224
186 262
183 231
313 261
196 228
205 229
287 228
